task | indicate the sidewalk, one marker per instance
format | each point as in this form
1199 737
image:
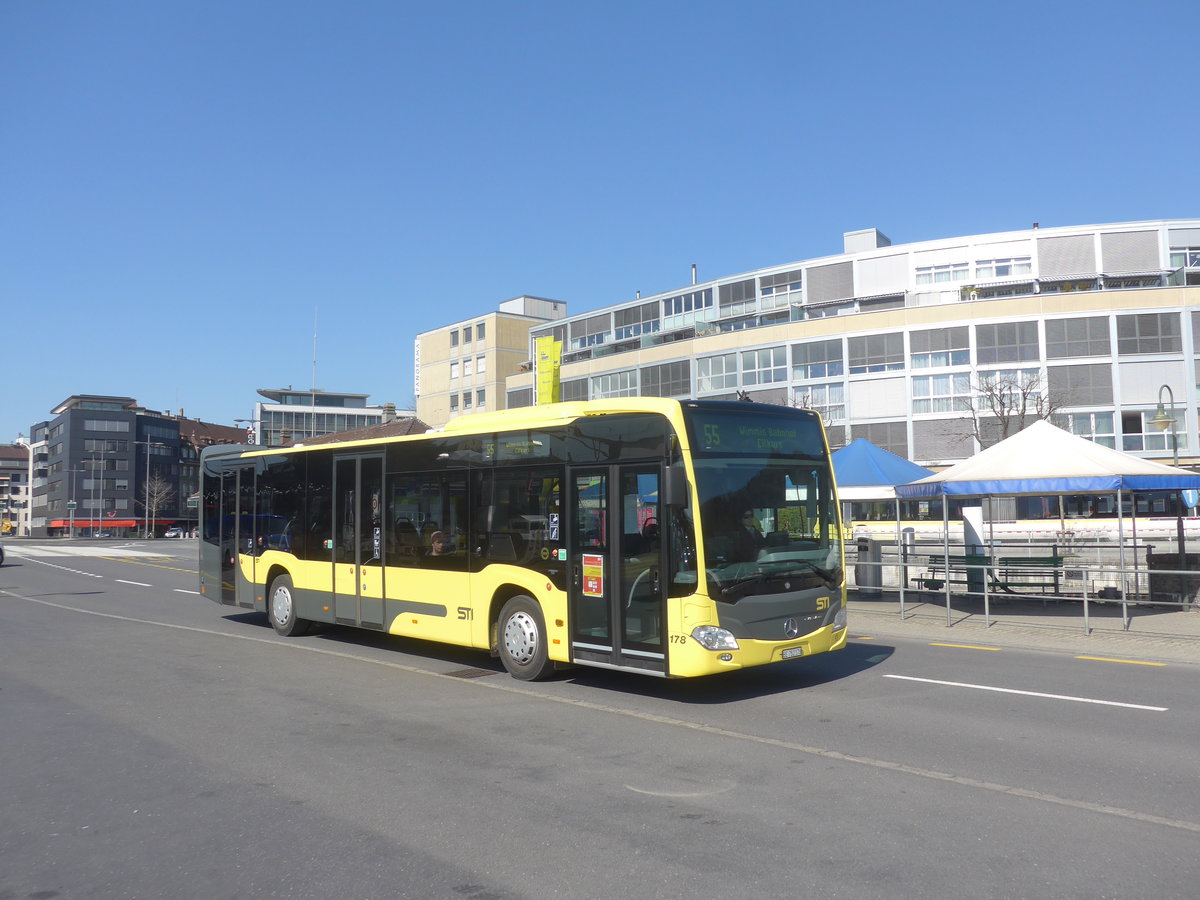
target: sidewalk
1154 634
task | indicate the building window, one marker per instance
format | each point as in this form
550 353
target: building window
736 299
454 338
1080 385
1185 257
820 359
943 274
940 347
781 289
481 398
827 399
1139 432
1003 268
591 331
1006 342
1077 337
1148 333
479 332
636 320
687 309
481 365
466 401
574 389
453 369
466 367
105 425
467 335
1097 427
1014 388
615 384
717 373
876 353
673 379
454 403
765 366
941 393
891 436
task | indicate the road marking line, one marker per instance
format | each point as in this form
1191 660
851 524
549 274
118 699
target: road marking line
138 583
1000 690
790 746
964 646
42 562
182 591
1128 662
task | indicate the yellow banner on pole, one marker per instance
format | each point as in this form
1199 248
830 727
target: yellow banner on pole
549 358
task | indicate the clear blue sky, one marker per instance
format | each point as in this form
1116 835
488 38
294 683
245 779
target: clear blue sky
185 185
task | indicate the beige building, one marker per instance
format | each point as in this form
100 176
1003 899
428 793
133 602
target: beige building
462 368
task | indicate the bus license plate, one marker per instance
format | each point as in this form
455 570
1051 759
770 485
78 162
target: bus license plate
793 652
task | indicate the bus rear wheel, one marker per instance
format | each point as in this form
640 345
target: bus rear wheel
521 639
281 608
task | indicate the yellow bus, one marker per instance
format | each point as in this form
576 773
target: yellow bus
666 537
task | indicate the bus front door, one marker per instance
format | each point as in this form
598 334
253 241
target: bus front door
358 541
617 572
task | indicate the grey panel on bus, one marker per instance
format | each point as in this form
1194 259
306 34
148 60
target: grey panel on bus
1129 251
1070 255
832 282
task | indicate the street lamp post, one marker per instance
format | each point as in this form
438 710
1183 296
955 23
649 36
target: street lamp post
28 508
1162 421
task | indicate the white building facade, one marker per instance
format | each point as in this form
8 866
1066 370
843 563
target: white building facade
901 344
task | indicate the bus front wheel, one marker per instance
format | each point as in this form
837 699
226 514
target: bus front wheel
281 608
521 636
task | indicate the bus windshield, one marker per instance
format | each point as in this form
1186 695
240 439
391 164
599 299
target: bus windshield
768 520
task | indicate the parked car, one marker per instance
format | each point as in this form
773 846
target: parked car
173 533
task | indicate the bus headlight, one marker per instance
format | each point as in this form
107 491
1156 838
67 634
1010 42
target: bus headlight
710 637
839 619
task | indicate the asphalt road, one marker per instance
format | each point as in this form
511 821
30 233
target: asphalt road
156 744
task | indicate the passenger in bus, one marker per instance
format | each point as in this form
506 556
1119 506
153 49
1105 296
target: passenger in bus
440 544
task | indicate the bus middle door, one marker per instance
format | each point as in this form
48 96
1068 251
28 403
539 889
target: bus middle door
358 541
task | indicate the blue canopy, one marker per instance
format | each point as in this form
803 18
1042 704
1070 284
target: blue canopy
867 472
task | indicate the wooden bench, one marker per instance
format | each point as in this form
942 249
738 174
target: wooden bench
1016 573
1012 575
962 569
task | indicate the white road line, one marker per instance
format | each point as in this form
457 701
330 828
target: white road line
42 562
182 591
138 583
1000 690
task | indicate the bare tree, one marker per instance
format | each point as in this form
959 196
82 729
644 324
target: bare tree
1004 403
159 494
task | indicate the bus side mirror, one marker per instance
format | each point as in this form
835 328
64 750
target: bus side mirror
675 488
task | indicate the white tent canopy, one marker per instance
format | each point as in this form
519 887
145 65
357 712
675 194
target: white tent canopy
1044 459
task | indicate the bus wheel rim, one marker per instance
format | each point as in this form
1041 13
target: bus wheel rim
521 637
281 604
